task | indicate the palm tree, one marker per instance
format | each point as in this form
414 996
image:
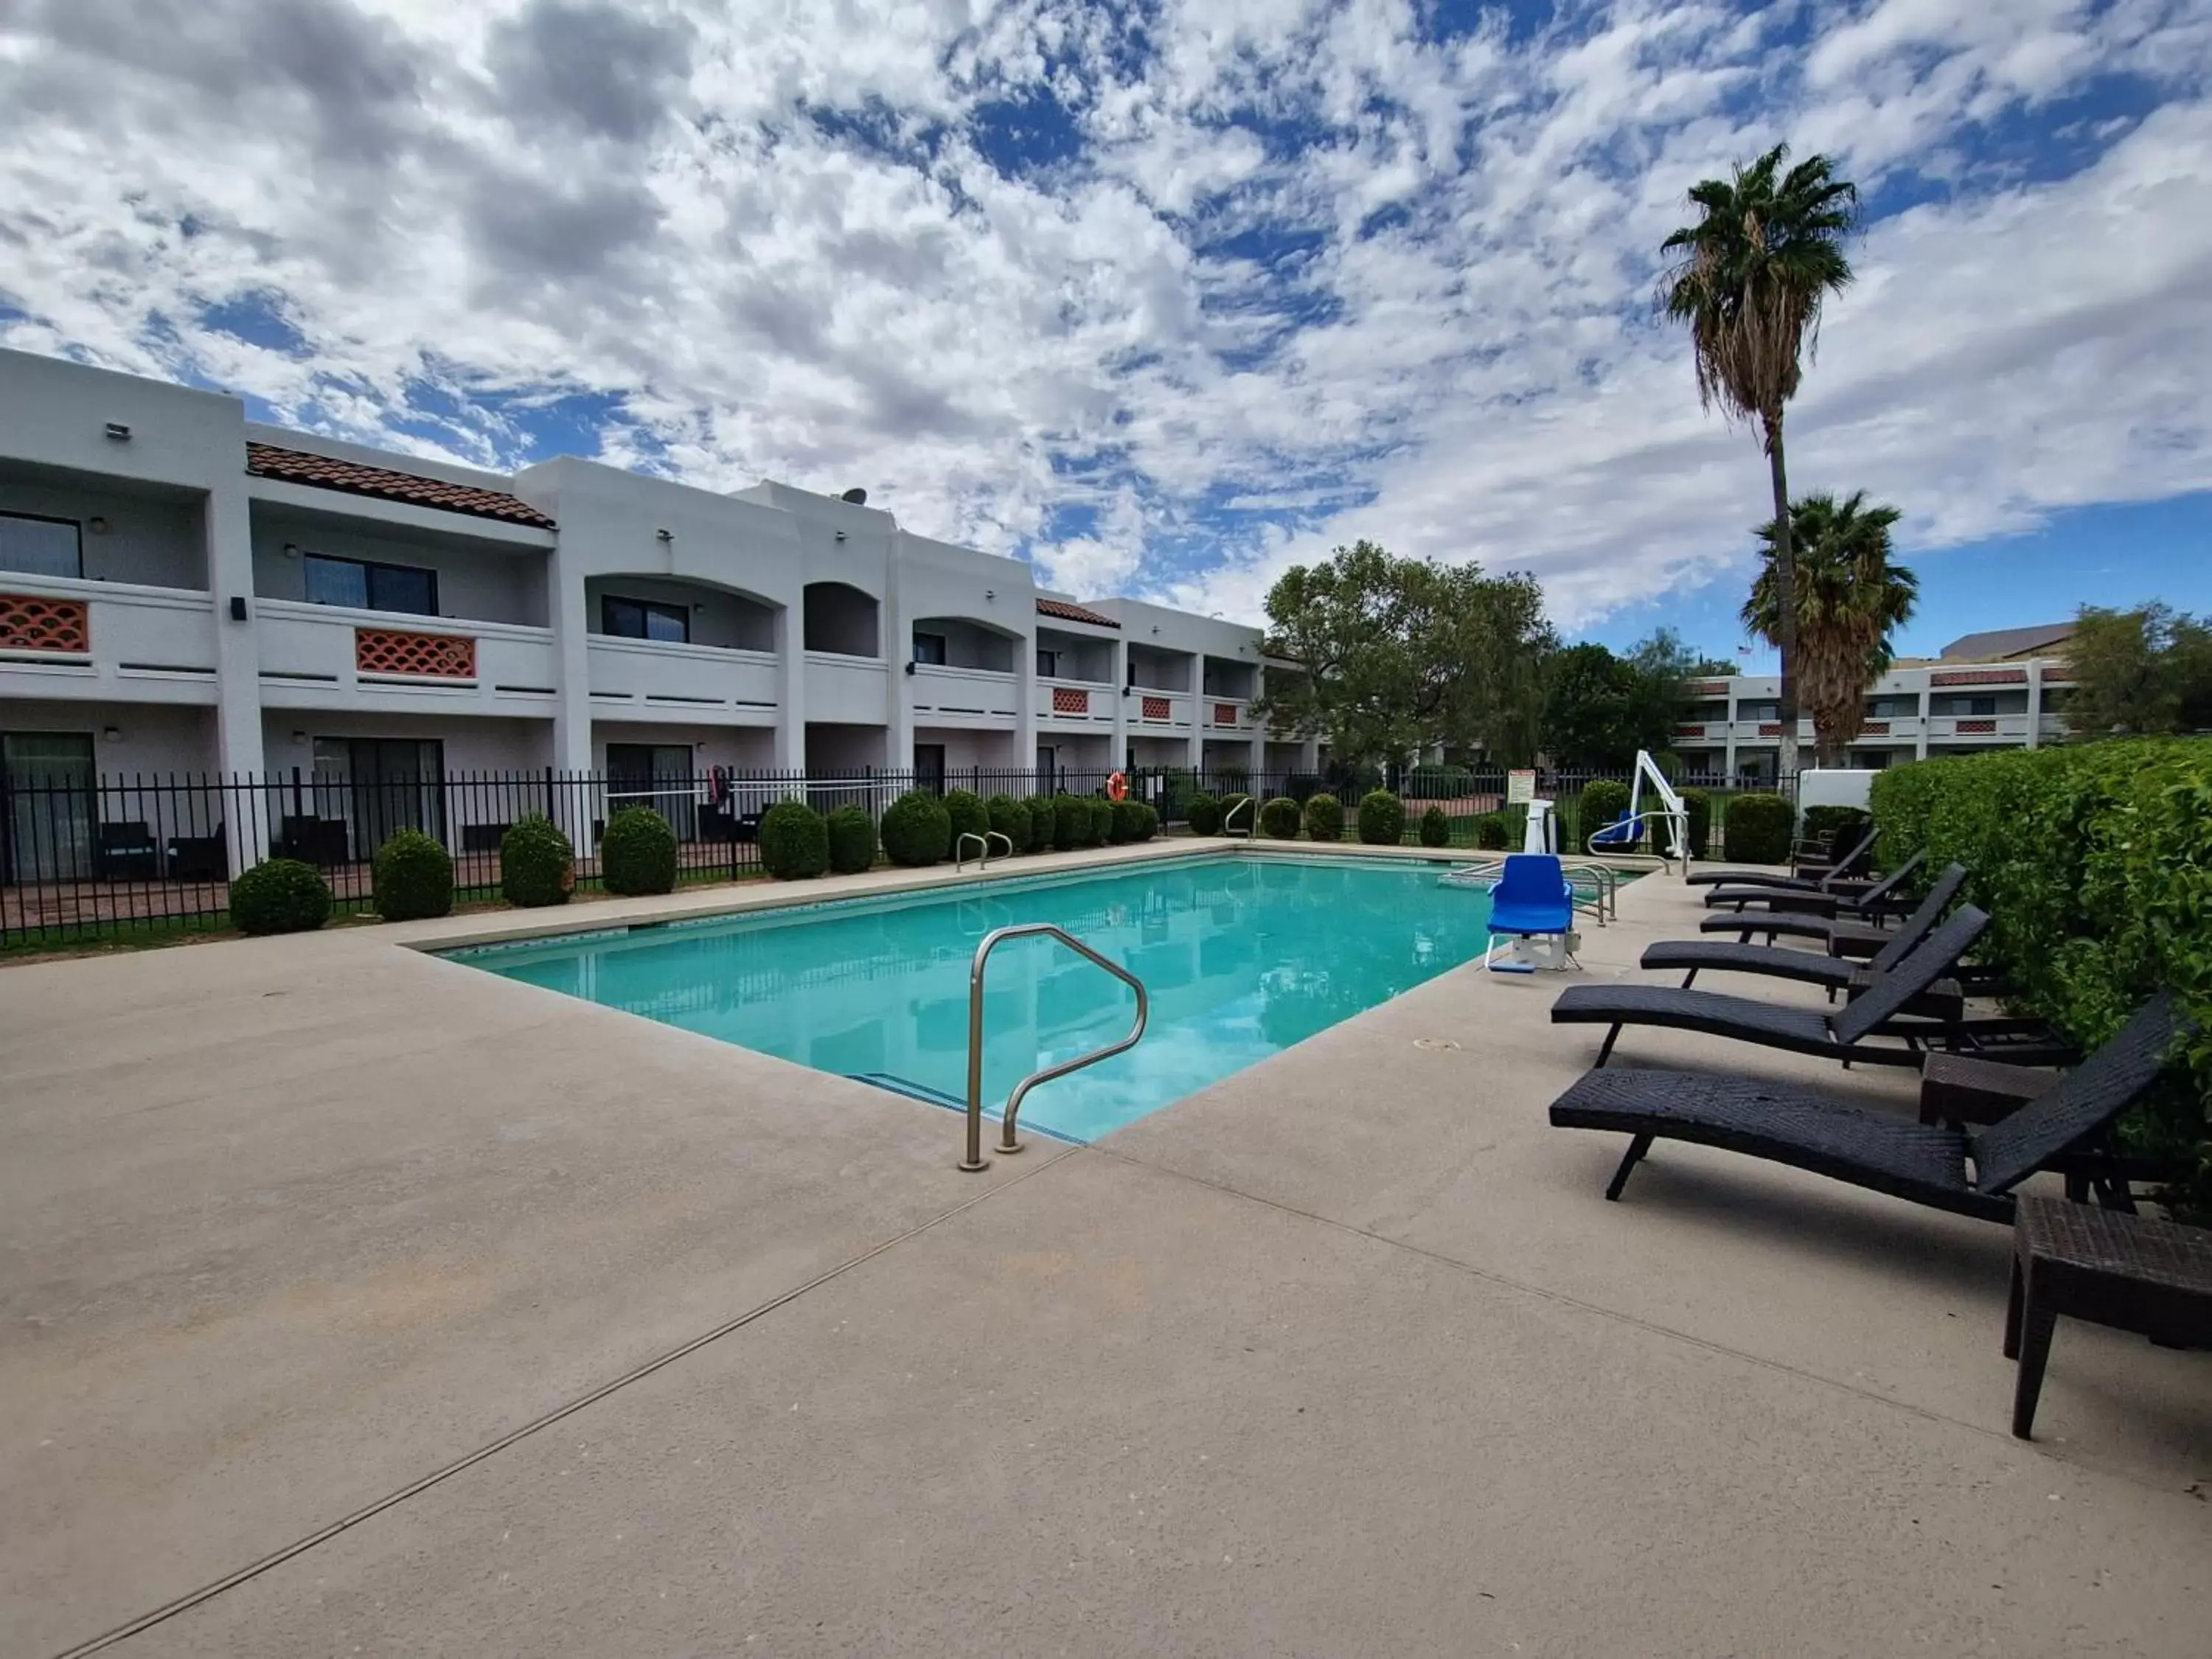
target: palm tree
1749 278
1848 600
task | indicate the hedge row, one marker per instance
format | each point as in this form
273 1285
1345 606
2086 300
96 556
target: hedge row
2096 865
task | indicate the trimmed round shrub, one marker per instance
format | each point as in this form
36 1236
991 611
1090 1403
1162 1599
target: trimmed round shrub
1204 815
794 842
1278 819
1490 833
280 895
1246 811
1148 820
1010 816
1698 807
917 829
1324 819
1435 828
1756 829
537 865
1382 820
1128 822
1071 822
412 878
1097 819
1603 800
965 812
1042 820
852 840
637 853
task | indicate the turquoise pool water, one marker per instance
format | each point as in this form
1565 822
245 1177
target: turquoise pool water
1242 956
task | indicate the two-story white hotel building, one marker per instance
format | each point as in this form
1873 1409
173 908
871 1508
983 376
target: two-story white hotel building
184 591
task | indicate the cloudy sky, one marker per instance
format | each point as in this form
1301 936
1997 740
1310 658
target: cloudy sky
1168 297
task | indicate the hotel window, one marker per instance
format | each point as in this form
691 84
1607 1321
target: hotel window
41 547
368 586
645 619
929 649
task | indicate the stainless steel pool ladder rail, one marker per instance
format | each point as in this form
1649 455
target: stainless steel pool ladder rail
983 840
1244 806
1007 1144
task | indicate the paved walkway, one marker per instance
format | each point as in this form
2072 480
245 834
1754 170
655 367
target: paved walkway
1343 1354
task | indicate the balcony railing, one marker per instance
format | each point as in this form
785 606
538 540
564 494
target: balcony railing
1083 702
1989 728
1167 710
962 696
64 637
683 682
1226 714
849 690
328 656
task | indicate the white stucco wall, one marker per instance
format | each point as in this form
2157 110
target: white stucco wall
484 584
153 542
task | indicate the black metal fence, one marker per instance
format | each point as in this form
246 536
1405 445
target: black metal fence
87 858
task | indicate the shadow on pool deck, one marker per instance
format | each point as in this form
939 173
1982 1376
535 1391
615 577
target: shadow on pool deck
1344 1353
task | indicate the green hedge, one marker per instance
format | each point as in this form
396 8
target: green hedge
280 895
1148 820
1128 822
637 852
852 840
1010 816
1097 819
2096 865
1324 819
1439 783
1490 832
1435 828
1758 830
965 812
537 865
794 842
1041 823
1071 822
412 877
1698 807
1278 819
1381 818
917 829
1204 815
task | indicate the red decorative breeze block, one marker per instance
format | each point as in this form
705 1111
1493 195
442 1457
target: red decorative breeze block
1066 700
1156 708
416 656
28 622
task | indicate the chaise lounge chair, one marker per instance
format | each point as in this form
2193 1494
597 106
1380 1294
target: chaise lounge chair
1841 1035
1873 901
1802 875
1809 967
1809 1130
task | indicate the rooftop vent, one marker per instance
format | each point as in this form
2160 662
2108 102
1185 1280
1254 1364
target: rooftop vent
858 496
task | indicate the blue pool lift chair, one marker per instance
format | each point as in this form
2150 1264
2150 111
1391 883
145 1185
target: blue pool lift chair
1533 900
1625 831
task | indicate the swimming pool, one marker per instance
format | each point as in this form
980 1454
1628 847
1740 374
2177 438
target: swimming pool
1242 955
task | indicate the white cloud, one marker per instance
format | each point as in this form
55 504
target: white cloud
1302 261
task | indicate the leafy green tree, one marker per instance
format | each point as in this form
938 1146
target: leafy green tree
1850 600
1749 278
1599 708
1398 654
2144 673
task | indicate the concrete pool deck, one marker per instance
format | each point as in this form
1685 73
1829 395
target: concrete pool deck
1345 1353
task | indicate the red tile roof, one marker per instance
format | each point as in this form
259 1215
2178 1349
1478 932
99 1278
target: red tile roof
1066 612
297 466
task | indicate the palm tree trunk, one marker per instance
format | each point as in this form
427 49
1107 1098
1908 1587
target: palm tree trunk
1786 599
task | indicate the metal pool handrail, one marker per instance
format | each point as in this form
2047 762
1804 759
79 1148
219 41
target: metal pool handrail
975 1160
1244 806
984 840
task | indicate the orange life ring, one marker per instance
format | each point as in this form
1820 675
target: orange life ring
1117 788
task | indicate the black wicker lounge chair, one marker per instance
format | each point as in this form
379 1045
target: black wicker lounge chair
1803 875
1809 1130
1809 967
1841 1035
1874 901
